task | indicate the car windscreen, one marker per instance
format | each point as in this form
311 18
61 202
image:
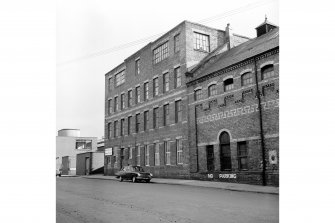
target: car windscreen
138 168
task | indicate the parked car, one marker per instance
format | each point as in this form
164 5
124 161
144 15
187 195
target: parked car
133 173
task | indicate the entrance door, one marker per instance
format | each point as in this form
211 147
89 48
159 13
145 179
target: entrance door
225 156
87 166
210 158
65 167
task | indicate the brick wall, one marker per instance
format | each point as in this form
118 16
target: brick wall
237 113
149 71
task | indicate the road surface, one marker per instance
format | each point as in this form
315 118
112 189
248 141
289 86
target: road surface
91 200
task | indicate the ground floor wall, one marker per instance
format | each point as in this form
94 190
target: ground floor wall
209 164
68 166
90 163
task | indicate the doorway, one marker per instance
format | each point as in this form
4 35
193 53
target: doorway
87 165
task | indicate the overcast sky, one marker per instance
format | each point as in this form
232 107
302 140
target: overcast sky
85 27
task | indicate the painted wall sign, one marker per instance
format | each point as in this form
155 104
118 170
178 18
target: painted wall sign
108 151
222 176
273 159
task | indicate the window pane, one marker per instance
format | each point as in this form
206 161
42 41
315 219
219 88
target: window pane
201 42
160 53
247 79
267 71
228 84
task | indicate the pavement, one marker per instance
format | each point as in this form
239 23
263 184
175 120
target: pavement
199 183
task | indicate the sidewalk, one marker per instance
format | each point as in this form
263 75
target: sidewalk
198 183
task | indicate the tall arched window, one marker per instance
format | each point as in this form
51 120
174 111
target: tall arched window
212 90
225 155
246 79
197 95
228 84
267 71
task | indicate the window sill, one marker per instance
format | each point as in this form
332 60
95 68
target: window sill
202 51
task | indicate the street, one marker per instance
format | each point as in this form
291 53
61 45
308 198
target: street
91 200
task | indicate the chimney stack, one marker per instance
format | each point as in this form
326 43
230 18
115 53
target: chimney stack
229 37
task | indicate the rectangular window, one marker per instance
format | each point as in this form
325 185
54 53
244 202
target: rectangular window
167 152
165 82
122 101
138 161
166 114
179 151
176 43
242 155
109 127
157 154
122 127
130 98
161 52
130 152
83 144
115 129
137 67
154 118
146 120
178 111
177 77
147 155
129 125
110 84
155 87
201 42
146 91
210 157
116 104
137 123
138 95
120 78
110 106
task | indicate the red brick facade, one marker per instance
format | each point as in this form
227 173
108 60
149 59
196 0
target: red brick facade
237 113
162 132
234 110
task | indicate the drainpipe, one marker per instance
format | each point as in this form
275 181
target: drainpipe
196 136
260 125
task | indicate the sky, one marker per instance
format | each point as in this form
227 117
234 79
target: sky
88 32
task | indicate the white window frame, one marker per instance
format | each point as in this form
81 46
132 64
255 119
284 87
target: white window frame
120 78
138 160
157 163
167 153
147 155
179 144
130 152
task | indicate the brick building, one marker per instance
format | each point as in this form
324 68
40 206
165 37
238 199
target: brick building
146 101
234 98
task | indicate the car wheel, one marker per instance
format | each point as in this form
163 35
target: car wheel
148 181
120 179
134 179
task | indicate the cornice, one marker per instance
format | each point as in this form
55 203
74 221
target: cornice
234 66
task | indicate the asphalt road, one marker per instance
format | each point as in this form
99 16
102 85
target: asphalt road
89 200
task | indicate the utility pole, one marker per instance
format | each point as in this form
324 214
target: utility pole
260 125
